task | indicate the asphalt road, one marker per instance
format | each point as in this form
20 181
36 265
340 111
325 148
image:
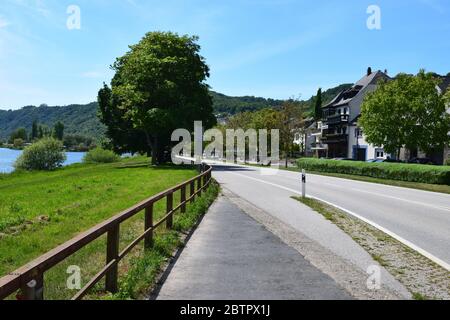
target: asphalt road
419 218
231 256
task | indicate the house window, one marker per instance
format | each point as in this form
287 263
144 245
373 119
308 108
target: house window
379 153
345 110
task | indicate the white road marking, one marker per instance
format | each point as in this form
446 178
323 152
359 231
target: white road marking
390 197
401 199
407 243
333 185
381 195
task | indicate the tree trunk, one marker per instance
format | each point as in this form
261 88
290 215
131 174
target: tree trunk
288 152
155 152
152 144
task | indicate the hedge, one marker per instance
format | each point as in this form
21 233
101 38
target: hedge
393 171
99 155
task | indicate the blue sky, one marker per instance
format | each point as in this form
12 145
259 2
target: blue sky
266 48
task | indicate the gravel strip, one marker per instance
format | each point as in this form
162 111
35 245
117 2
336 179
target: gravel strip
422 277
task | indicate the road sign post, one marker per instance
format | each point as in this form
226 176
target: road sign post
303 184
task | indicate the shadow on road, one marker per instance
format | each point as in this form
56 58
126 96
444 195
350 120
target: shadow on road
231 168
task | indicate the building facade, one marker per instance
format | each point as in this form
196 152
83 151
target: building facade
340 132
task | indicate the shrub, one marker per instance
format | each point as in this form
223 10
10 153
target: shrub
18 143
393 171
46 154
99 155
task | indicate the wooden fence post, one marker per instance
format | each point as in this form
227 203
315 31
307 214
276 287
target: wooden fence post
148 242
34 289
39 291
112 252
199 186
183 199
192 191
205 180
169 221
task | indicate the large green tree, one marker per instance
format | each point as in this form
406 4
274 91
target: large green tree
318 105
447 99
34 130
19 133
122 136
292 123
58 131
407 111
158 86
289 119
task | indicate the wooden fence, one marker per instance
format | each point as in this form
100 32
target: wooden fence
29 279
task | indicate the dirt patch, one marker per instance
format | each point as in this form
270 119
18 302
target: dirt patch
26 224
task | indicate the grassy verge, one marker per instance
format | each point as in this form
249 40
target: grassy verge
146 265
422 277
40 210
396 183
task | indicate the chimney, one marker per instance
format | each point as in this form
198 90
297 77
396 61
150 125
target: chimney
369 71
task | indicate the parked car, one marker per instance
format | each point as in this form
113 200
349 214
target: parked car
393 160
376 160
343 159
421 161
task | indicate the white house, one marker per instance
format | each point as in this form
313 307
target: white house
341 134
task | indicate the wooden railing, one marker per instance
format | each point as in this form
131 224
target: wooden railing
29 279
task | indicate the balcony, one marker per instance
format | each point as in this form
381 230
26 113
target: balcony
335 138
318 146
316 132
337 119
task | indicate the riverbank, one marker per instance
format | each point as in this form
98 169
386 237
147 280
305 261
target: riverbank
40 210
9 156
73 149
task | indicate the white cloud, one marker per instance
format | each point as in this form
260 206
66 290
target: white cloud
38 6
3 22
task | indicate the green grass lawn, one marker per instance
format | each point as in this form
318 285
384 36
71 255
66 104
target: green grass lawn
40 210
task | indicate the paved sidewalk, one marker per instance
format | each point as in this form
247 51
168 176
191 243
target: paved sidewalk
231 256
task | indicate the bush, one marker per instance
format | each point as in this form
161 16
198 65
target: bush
46 154
393 171
18 143
99 155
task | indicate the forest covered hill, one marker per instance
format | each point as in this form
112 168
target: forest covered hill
82 119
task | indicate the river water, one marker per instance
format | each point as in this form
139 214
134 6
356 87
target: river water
9 156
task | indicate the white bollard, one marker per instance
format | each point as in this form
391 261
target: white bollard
303 183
